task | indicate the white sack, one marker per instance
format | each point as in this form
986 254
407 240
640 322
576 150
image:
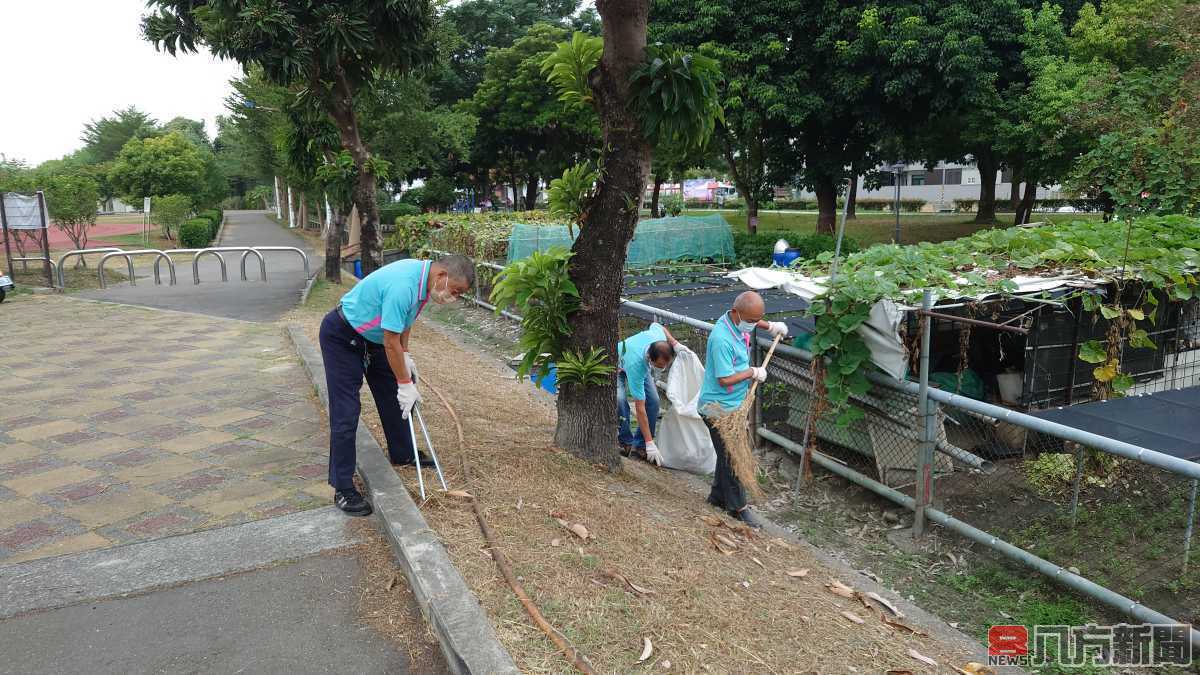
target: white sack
682 437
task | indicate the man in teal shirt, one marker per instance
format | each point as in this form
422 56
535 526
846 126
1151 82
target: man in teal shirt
367 335
655 347
727 376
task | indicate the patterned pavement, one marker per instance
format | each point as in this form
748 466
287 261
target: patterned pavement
121 424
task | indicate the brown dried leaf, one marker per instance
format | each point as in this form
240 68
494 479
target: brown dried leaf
391 582
974 668
638 589
558 514
717 544
461 494
647 649
853 617
838 588
579 530
712 520
922 658
556 542
796 574
902 626
729 543
885 602
900 672
758 562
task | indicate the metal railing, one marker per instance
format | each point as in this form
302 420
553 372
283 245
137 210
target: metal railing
80 252
919 438
128 255
218 250
280 249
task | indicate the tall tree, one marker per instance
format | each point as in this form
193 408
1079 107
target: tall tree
524 130
163 165
336 49
103 138
643 97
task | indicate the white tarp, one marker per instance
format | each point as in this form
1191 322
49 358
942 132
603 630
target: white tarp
682 437
21 212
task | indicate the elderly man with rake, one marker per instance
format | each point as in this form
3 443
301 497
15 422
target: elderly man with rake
367 336
727 377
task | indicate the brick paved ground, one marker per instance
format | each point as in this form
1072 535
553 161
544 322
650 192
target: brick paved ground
121 424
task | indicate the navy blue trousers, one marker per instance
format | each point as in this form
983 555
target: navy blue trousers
348 357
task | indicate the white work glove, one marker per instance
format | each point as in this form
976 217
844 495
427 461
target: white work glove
407 396
759 374
411 365
778 329
652 453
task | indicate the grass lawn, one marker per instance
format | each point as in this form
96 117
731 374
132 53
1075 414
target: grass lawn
135 240
873 228
120 218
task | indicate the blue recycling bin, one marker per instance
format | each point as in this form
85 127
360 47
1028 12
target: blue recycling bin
549 381
786 258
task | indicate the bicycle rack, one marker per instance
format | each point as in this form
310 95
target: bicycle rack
62 279
128 255
282 249
262 263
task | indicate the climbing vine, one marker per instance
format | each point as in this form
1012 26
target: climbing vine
1160 251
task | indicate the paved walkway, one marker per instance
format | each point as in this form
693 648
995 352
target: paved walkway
250 300
120 424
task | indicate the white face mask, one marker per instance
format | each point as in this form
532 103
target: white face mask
442 296
746 326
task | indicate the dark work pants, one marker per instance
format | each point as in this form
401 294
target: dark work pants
726 491
349 356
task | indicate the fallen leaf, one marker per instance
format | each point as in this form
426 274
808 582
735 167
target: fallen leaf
558 514
884 601
729 543
391 582
647 649
853 617
779 542
717 543
953 560
974 668
745 584
556 542
520 503
638 589
900 672
579 530
922 658
871 575
758 562
901 626
796 574
712 520
838 588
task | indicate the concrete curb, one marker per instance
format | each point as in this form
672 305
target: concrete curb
220 230
307 289
467 638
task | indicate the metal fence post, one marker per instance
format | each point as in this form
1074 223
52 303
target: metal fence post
924 481
1079 460
1191 520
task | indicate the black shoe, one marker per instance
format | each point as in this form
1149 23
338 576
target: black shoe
713 501
425 461
350 501
748 517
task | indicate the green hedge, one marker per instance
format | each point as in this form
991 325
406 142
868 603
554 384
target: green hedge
1004 205
196 233
757 249
388 213
214 219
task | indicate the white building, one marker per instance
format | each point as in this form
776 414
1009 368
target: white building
940 186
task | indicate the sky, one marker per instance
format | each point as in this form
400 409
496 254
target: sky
67 62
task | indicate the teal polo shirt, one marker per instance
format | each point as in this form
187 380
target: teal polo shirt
727 353
633 359
390 298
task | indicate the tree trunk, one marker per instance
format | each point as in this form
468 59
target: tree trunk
1014 194
365 186
285 204
1025 207
531 192
826 190
752 214
333 247
303 210
852 196
986 207
587 416
658 182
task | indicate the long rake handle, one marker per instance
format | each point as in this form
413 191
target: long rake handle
765 363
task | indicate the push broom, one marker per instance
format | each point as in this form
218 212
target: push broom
736 436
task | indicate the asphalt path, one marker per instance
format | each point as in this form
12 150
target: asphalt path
251 300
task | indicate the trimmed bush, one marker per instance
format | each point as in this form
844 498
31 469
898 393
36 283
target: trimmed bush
388 213
757 249
195 233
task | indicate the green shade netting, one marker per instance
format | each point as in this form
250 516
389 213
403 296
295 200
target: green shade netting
691 238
